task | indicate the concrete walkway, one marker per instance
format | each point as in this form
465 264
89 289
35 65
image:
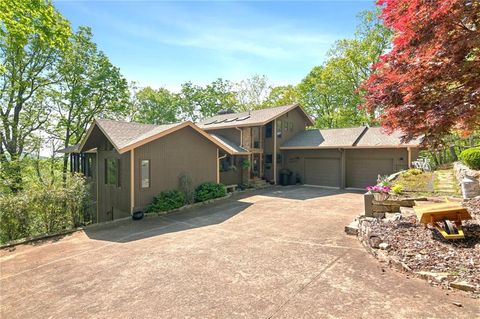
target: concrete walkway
276 253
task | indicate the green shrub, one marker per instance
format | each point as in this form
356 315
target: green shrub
209 190
471 157
412 172
167 200
43 209
397 189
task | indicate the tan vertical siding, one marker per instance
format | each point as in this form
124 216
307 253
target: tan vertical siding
299 124
182 152
113 201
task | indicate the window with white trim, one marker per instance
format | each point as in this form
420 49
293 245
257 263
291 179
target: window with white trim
145 173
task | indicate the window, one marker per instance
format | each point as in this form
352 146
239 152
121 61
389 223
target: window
268 159
279 128
145 173
279 158
226 163
112 176
256 137
89 166
268 130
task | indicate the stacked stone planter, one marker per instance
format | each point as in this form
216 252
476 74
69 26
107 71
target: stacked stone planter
378 209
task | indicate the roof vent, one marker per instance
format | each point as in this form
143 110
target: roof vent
226 111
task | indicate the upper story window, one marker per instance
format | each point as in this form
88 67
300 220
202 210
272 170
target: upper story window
112 171
256 137
269 130
279 128
145 173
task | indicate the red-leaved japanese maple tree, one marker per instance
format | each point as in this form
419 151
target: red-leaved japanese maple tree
429 83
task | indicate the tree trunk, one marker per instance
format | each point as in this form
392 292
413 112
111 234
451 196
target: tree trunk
453 153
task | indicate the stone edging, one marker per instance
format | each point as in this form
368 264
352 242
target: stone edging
376 247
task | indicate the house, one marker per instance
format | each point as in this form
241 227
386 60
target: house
130 163
277 138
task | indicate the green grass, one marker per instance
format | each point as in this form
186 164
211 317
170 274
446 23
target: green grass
426 184
422 183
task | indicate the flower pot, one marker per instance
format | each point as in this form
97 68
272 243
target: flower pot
380 197
137 215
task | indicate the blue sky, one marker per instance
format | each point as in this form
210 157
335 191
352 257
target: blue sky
166 43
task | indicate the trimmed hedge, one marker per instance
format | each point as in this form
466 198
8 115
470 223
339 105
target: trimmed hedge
471 157
210 190
167 200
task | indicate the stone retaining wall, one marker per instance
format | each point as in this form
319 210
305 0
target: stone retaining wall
378 209
461 171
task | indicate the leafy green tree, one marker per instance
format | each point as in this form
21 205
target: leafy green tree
195 102
189 101
32 36
217 96
332 92
90 87
252 92
156 106
282 95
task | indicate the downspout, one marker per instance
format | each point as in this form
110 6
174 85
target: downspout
241 135
274 156
132 180
218 165
98 180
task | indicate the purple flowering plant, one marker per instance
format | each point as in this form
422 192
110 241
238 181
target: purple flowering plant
379 189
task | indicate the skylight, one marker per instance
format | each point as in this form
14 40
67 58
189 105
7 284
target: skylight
243 118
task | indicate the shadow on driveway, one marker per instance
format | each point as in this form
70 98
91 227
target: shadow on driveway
151 226
210 214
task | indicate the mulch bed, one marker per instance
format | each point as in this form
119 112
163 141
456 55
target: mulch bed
424 249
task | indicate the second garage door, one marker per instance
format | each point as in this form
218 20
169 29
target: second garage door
363 172
322 172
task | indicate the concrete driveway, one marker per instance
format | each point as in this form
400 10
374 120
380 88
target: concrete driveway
276 253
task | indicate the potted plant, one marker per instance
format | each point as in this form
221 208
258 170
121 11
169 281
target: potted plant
379 192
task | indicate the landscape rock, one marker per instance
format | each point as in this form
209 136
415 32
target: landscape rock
410 247
375 241
465 286
433 276
384 246
352 228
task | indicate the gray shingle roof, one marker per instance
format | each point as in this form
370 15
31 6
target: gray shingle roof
235 148
346 137
375 136
255 117
128 135
341 137
122 134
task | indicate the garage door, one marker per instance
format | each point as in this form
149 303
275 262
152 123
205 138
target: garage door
322 171
364 172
